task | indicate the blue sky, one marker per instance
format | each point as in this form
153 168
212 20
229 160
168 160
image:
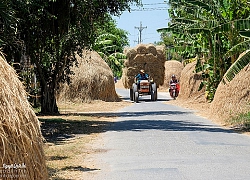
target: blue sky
153 16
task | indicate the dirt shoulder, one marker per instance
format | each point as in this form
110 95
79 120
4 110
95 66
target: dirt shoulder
69 136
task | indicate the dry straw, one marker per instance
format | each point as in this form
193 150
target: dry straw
21 141
92 80
233 97
148 57
172 67
189 83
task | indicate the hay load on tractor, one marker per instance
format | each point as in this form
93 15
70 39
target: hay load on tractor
149 58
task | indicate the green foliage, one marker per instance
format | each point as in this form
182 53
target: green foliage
237 66
110 43
241 121
50 32
214 31
106 45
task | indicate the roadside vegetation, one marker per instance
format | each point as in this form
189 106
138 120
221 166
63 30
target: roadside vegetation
240 122
212 32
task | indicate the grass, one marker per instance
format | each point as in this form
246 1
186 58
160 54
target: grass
241 122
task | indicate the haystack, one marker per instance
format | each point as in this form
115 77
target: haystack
21 142
148 57
172 67
92 80
233 97
189 83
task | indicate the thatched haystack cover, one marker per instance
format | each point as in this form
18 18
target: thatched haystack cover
189 84
172 67
21 141
148 57
233 97
92 80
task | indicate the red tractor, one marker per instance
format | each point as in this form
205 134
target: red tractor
146 87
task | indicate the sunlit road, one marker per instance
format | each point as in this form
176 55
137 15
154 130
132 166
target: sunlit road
157 141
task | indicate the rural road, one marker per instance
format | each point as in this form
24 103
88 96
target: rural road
158 141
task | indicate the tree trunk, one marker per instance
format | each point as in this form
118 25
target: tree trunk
48 100
48 87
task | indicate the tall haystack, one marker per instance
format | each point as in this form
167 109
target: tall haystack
21 142
233 97
172 67
148 57
92 80
189 84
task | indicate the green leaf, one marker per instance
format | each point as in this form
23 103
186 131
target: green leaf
241 24
245 34
237 66
239 48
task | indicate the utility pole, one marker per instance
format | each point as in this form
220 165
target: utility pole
140 32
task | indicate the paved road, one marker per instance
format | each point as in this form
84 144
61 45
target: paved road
157 141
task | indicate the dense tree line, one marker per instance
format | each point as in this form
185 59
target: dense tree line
214 32
48 33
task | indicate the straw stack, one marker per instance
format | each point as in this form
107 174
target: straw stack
21 142
233 97
92 80
189 83
172 67
148 57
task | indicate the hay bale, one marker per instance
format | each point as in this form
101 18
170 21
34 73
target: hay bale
130 53
21 141
160 49
151 49
233 97
92 80
148 57
141 49
172 67
189 83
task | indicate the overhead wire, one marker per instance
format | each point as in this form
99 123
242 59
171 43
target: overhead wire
152 8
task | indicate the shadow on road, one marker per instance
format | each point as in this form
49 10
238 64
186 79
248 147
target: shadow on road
57 130
146 99
130 114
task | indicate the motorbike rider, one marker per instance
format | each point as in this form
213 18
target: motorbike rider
174 80
141 76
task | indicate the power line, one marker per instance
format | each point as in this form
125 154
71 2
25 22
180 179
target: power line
150 9
140 32
153 4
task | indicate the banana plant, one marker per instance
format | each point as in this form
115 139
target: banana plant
106 47
214 27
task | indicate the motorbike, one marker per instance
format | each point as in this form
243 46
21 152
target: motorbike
174 90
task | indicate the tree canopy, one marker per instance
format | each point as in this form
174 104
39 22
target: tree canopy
49 33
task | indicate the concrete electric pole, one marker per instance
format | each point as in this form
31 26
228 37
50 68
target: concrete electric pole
140 32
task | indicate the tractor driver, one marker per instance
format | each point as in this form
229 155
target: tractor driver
141 76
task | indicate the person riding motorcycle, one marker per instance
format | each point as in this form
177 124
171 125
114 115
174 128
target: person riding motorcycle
141 76
175 81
